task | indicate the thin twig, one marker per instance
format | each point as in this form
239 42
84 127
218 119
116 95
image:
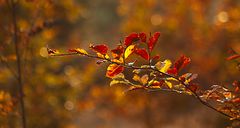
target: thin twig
16 42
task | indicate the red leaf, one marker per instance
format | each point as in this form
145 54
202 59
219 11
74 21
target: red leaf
153 40
143 53
142 37
193 87
156 57
131 38
236 100
235 56
236 84
72 50
172 71
117 52
182 62
179 64
100 48
114 69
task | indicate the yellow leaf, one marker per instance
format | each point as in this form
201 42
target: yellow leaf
107 56
103 56
171 78
100 55
144 79
136 78
120 60
113 70
169 84
163 66
82 51
129 51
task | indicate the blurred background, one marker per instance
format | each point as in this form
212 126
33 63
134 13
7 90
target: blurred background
72 92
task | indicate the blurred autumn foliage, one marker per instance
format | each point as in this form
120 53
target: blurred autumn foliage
72 92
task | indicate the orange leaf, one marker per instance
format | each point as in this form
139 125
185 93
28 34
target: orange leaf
236 100
100 48
157 83
131 38
153 40
233 57
117 52
143 53
114 69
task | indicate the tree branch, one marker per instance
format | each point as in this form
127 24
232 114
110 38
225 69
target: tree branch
153 69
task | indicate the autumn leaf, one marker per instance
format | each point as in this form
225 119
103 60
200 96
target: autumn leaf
233 57
156 57
114 69
52 51
129 50
236 100
172 71
131 38
100 48
236 84
78 50
155 83
193 87
117 52
143 53
188 77
142 37
163 66
179 64
144 79
132 88
169 84
153 40
136 78
182 62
